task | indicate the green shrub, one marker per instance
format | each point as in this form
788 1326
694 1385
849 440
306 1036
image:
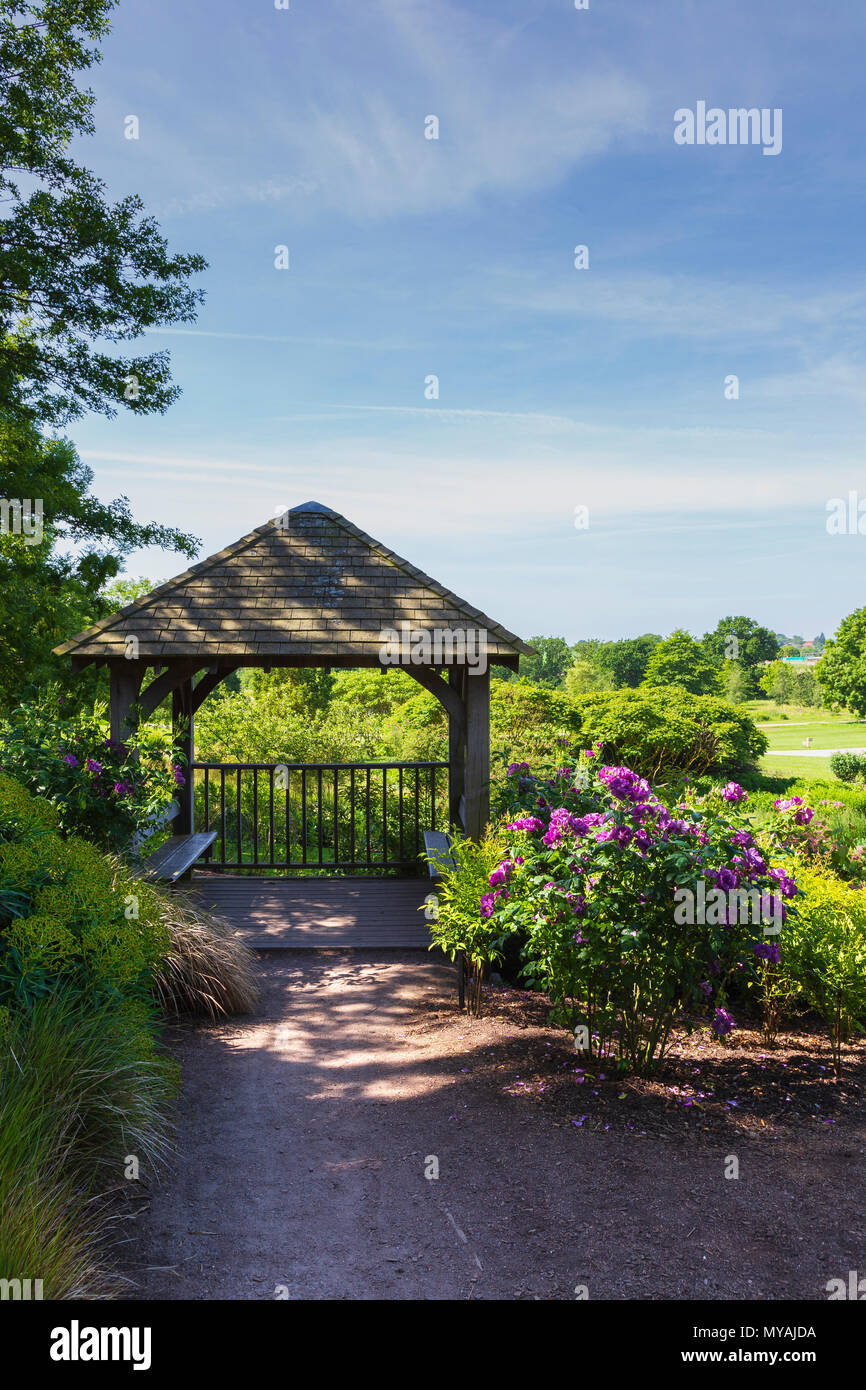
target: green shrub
68 917
458 928
825 952
848 766
655 731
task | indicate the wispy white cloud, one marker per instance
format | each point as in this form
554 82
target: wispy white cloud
308 340
645 304
348 133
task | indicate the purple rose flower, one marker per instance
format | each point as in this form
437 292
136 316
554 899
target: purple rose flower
501 873
723 1023
734 793
528 823
767 950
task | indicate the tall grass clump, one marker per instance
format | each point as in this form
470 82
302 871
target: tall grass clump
89 952
207 971
82 1090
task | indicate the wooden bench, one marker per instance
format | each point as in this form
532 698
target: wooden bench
176 857
437 847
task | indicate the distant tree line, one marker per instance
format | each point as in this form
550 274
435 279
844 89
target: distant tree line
739 659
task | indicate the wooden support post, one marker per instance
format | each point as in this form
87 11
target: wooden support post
183 741
124 685
456 747
477 753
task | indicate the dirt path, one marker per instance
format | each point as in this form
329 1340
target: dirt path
304 1132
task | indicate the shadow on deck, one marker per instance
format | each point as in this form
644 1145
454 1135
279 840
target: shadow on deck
296 913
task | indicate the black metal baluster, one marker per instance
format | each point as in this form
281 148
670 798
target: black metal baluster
352 816
336 817
288 816
238 826
319 816
400 794
304 814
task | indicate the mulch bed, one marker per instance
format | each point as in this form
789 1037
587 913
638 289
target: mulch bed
707 1086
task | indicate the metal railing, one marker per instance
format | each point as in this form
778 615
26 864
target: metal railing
311 816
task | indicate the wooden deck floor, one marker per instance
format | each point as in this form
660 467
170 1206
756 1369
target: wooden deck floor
296 913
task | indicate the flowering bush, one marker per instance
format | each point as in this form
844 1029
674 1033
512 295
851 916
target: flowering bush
817 836
632 909
100 788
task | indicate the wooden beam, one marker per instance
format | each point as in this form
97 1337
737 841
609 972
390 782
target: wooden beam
477 753
164 684
206 683
124 686
456 747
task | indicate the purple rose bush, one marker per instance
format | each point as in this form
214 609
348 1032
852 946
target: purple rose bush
632 910
101 788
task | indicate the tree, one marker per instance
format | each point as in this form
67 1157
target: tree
122 592
788 686
681 660
842 669
626 661
739 683
54 585
741 639
75 270
550 664
583 677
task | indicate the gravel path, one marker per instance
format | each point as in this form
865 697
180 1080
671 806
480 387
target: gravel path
304 1132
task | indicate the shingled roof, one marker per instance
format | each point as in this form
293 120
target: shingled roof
309 588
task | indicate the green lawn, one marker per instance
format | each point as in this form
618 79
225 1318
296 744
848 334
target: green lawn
826 731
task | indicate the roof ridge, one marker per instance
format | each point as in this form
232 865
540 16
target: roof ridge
162 591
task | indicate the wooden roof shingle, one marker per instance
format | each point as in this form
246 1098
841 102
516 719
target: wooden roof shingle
309 586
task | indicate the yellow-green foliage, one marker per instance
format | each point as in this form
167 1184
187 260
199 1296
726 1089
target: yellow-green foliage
23 815
68 915
824 950
459 925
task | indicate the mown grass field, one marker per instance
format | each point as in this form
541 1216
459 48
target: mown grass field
827 731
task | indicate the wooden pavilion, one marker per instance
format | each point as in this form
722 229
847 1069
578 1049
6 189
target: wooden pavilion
306 589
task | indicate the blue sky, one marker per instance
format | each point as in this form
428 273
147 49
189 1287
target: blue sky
558 387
